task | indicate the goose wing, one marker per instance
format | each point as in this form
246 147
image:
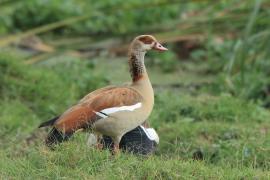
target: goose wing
97 105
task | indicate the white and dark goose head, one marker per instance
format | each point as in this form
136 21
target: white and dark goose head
144 43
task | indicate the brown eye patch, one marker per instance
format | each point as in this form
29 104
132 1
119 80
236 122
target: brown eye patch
146 39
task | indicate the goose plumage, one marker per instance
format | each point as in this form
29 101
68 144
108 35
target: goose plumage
113 110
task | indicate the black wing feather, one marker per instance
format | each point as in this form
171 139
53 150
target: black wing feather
48 123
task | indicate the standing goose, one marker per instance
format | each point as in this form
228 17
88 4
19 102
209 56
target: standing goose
113 110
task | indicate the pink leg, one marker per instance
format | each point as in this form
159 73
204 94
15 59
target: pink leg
116 149
99 145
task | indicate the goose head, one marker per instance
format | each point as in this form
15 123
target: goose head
144 43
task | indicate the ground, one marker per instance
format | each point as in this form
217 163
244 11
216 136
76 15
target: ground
203 134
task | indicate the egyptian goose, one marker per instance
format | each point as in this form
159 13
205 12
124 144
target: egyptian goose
112 110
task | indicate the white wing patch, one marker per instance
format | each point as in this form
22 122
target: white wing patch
101 115
151 134
103 112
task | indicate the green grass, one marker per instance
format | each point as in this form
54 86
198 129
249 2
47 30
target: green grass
230 133
77 161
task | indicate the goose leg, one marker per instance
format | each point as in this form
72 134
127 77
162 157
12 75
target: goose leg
116 149
99 144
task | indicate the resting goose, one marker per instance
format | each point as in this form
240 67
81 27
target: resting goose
113 110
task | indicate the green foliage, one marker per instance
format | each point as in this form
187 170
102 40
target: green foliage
222 109
166 62
104 15
78 73
13 119
249 68
236 145
219 128
44 91
248 64
42 12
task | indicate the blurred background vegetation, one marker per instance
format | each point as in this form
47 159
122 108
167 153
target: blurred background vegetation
212 88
